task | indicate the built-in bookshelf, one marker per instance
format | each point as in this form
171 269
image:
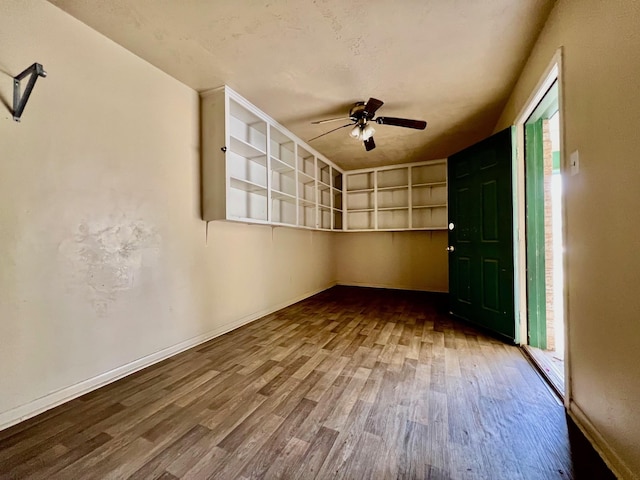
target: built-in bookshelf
256 171
398 197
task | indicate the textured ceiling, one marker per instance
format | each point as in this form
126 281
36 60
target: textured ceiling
449 62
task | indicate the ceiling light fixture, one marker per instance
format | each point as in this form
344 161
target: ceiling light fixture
367 132
363 132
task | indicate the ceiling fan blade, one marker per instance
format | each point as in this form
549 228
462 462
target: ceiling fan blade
369 144
320 122
402 122
327 133
371 107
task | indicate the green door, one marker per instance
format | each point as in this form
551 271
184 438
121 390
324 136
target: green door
536 281
481 285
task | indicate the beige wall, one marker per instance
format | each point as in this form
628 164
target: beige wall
105 265
601 48
407 260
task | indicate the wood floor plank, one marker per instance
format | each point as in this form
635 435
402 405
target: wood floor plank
206 465
351 383
287 462
317 452
32 467
257 466
341 453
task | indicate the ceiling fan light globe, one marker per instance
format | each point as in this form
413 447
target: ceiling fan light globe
355 132
367 132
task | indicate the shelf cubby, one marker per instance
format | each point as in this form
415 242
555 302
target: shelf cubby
393 219
324 195
337 219
244 169
283 181
434 173
306 163
360 200
427 195
306 214
361 220
283 209
393 177
282 148
247 201
433 218
307 191
337 179
337 199
324 218
396 197
247 131
324 173
360 181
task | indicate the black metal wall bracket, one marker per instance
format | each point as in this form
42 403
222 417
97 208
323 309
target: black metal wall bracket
20 100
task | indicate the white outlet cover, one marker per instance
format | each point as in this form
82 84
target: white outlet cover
574 162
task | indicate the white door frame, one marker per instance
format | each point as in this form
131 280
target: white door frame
552 73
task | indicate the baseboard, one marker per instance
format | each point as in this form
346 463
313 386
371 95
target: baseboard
390 287
608 455
42 404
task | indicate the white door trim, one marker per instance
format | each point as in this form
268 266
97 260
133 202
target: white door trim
552 73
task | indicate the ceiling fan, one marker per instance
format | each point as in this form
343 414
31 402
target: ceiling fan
362 115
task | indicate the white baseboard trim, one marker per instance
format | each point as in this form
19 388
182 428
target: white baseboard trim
608 455
390 287
42 404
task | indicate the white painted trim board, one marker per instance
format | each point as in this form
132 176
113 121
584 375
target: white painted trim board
606 452
390 287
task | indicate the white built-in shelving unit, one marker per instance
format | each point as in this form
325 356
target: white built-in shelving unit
256 171
411 196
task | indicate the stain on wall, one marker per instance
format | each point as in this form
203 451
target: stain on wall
108 256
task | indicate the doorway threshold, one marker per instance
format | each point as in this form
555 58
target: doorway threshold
550 365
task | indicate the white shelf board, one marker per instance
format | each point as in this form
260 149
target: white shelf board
397 187
235 218
280 166
430 206
247 150
429 184
388 209
278 195
305 178
306 203
283 224
432 228
247 186
359 210
361 190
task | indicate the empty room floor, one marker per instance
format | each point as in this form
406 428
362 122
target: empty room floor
352 383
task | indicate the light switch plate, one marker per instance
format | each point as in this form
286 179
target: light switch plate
574 162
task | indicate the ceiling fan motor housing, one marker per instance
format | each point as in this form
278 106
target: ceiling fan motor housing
357 113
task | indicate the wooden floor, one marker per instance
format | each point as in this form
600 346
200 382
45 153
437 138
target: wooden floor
352 383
